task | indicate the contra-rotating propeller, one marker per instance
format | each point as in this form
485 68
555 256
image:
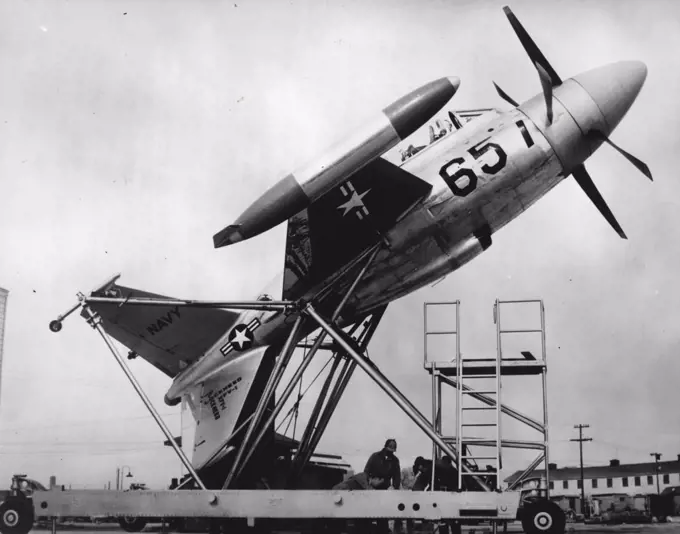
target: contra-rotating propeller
549 79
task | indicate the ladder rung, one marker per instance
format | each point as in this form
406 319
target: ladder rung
465 377
479 457
478 408
477 473
472 392
479 424
441 332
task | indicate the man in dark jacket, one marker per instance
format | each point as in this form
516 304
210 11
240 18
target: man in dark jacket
446 475
385 464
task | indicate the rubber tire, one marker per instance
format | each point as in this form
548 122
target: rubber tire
543 517
16 516
132 524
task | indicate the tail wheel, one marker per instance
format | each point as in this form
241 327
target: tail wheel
132 524
16 516
543 517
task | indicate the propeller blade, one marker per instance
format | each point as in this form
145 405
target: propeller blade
505 96
639 164
536 56
547 91
583 179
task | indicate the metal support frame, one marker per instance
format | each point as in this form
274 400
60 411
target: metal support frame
316 412
545 456
95 321
281 504
348 354
437 378
237 467
267 395
441 372
374 373
319 420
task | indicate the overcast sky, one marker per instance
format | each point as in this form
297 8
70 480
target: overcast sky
132 131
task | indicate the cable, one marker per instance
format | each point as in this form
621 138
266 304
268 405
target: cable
295 405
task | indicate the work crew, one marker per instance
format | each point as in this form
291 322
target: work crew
360 481
385 464
446 475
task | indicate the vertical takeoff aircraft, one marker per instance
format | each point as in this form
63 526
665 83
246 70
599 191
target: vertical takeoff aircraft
363 232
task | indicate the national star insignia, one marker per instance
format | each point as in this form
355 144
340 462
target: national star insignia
355 201
242 336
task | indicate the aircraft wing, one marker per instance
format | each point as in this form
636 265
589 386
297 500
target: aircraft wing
346 221
169 337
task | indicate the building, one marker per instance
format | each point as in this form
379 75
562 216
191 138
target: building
615 478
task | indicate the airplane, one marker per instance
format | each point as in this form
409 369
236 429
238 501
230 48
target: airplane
363 232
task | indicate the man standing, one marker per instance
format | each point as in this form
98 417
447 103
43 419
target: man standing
385 464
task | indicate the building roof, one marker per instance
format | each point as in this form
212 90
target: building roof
603 471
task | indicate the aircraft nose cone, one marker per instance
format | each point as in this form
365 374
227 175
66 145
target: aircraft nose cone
614 88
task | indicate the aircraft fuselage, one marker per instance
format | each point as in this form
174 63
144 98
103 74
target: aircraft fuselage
483 175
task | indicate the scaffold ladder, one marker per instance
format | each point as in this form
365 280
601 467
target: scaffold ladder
463 373
464 392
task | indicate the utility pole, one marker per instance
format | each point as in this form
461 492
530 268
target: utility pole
657 457
581 439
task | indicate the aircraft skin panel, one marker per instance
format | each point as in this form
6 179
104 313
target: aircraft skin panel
437 236
169 337
217 403
447 221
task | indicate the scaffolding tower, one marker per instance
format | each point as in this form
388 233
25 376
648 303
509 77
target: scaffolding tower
464 374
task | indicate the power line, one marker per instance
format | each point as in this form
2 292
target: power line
581 439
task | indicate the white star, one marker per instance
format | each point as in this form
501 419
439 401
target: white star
354 202
241 338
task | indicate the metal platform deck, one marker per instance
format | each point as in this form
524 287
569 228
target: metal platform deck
487 367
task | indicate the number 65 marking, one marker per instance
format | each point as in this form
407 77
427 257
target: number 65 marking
476 152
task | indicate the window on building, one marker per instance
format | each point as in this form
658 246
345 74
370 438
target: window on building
552 485
666 479
578 484
594 481
610 483
625 482
650 480
565 484
637 481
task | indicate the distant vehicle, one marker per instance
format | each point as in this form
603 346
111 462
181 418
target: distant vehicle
16 511
666 504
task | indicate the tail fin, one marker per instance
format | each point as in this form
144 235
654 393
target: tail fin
169 337
223 404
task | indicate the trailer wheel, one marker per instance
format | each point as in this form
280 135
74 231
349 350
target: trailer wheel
132 524
16 516
543 517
